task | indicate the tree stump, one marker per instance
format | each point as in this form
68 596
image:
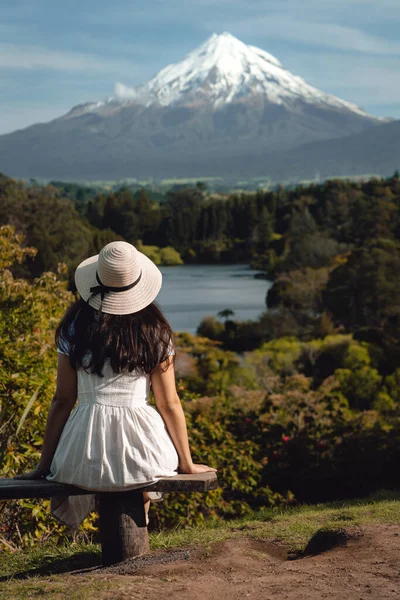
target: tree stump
123 528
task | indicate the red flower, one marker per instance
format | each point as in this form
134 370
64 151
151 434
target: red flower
248 420
285 438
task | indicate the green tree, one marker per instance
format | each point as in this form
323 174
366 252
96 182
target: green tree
300 290
49 223
365 290
359 381
226 313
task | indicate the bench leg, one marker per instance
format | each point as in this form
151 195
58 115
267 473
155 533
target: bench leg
123 529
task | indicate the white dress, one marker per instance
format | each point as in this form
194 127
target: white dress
112 441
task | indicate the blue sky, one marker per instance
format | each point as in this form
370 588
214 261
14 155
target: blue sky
55 54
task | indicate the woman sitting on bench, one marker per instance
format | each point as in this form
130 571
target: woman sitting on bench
113 343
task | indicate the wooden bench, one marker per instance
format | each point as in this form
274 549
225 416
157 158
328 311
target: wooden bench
123 529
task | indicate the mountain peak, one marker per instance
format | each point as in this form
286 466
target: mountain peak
223 70
220 70
225 35
226 45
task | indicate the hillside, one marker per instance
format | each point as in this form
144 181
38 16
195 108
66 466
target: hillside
207 114
375 151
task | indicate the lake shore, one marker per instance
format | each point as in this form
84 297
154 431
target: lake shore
192 292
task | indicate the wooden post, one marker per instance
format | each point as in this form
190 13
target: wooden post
123 529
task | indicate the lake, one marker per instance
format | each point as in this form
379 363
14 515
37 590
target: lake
191 292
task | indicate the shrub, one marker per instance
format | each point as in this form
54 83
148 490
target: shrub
210 328
29 313
169 256
161 256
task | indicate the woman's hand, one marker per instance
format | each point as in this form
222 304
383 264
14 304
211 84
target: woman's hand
35 474
196 469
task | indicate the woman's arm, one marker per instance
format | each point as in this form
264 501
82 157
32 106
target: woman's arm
170 408
63 402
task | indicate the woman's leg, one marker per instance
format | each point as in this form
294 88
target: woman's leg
146 501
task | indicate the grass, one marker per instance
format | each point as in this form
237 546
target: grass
43 556
292 526
57 589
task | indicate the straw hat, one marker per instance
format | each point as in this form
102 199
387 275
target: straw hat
118 281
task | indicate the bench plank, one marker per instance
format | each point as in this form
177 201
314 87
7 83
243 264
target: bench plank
14 489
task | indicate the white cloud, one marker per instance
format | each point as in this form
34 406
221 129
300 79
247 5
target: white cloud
124 92
13 56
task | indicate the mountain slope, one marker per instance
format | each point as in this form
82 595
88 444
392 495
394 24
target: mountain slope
375 151
222 103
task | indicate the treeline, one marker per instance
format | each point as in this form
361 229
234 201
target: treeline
50 223
277 231
201 228
55 220
333 252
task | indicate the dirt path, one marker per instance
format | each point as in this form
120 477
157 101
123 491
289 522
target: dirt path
367 568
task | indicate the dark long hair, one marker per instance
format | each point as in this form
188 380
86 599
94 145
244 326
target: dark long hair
141 340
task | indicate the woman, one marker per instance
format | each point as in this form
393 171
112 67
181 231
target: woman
113 344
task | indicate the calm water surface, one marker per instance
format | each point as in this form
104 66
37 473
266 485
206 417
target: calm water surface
191 292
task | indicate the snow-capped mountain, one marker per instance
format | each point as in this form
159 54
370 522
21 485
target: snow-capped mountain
225 100
219 72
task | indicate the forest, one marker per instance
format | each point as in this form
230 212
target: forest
300 406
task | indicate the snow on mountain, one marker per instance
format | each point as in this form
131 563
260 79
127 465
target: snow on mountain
222 70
